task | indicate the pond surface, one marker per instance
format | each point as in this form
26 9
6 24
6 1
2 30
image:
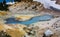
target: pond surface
32 20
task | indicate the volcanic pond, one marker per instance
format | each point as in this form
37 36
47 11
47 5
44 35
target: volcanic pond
28 22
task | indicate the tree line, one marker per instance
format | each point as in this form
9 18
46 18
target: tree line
4 6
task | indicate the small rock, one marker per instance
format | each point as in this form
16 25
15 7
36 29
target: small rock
48 33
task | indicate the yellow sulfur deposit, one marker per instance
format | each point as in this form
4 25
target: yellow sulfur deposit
12 31
3 13
15 32
1 27
23 18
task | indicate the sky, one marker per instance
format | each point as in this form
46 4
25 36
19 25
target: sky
6 0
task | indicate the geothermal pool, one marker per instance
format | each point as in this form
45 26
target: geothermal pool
28 22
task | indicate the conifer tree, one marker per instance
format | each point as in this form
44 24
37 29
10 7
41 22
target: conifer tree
4 5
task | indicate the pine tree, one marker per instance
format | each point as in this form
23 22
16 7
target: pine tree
1 6
5 7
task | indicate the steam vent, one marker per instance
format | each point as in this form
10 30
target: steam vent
29 18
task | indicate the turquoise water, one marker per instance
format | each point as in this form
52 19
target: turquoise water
32 20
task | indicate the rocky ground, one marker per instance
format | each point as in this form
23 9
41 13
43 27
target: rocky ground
38 29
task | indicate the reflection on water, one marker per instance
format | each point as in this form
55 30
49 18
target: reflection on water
32 20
